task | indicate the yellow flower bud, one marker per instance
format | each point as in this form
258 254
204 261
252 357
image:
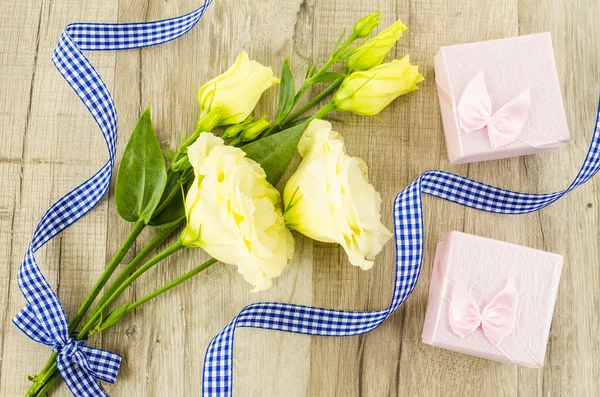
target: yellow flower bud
373 51
368 92
234 214
364 26
329 197
254 129
236 91
234 130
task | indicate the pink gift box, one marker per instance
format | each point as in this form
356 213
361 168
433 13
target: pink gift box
492 299
522 111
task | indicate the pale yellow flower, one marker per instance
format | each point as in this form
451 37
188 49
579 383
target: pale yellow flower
236 92
234 214
329 197
368 92
373 51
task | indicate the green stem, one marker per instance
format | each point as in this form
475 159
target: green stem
322 112
50 370
164 203
159 238
47 386
314 101
110 269
51 374
171 285
206 123
93 294
96 316
333 59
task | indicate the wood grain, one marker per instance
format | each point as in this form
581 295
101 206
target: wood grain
49 144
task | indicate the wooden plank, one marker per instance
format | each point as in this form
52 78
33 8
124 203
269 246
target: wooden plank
19 21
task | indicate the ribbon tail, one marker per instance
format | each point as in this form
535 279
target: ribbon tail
103 364
27 321
79 382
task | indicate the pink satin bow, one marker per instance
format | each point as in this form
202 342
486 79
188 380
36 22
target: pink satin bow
503 126
496 320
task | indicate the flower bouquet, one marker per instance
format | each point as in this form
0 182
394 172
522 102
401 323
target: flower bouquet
216 190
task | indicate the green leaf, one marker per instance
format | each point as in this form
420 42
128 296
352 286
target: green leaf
327 76
287 92
169 155
275 152
171 209
142 173
310 69
338 43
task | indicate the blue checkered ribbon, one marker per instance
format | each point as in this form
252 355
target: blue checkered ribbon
409 235
43 318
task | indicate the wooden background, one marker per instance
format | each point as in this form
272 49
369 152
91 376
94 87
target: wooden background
49 144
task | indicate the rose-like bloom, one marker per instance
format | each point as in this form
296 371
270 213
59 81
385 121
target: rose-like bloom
234 214
329 197
236 91
368 92
373 51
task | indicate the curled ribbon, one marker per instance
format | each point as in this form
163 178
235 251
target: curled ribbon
505 125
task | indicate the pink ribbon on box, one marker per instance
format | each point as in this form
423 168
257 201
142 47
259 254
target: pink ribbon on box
495 321
505 126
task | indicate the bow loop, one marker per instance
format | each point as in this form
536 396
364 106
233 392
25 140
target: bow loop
499 316
475 105
505 125
496 320
81 365
465 316
28 323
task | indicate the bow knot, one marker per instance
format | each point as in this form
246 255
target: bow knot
504 126
496 320
78 364
68 349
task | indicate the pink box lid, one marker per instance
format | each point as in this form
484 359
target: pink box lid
510 66
483 267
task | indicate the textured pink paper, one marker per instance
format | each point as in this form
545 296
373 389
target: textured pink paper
510 66
483 266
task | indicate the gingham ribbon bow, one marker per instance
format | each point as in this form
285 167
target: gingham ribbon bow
44 312
78 364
